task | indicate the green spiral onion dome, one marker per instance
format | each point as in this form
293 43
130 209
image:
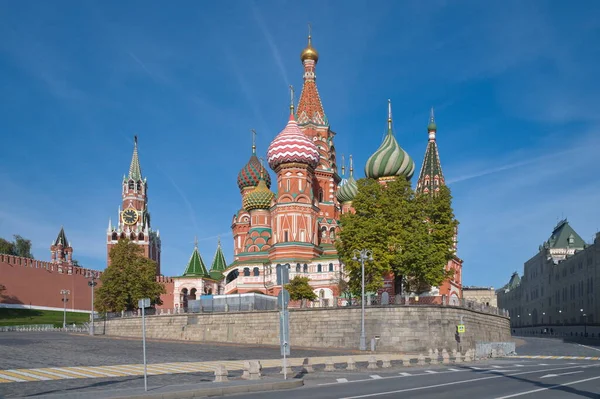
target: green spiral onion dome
250 174
259 198
347 191
390 159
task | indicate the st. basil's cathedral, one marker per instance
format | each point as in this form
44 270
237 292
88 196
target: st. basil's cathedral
294 224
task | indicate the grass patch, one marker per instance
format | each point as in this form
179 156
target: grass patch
20 317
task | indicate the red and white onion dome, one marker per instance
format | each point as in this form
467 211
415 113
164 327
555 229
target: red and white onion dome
292 146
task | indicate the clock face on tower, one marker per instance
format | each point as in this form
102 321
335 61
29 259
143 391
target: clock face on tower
130 216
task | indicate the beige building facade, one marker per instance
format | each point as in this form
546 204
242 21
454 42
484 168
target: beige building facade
483 295
560 285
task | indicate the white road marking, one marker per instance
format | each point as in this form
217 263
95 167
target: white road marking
95 370
475 368
497 367
519 365
543 364
571 363
558 375
450 383
342 380
76 373
560 357
453 370
37 377
547 388
405 374
63 376
589 347
376 377
11 378
431 371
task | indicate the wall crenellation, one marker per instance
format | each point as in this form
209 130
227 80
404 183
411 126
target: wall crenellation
48 266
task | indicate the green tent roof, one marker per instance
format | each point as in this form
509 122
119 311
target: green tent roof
219 264
196 267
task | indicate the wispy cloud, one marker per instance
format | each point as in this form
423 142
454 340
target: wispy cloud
187 203
274 50
140 63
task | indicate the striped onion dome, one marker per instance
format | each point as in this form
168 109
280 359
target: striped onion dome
292 145
259 198
348 191
390 159
348 188
250 173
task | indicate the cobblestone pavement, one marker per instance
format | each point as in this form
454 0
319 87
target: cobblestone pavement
56 349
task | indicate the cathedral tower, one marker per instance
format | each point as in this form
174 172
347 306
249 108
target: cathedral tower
61 251
133 216
431 177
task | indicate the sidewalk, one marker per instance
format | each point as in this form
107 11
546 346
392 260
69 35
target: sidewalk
185 391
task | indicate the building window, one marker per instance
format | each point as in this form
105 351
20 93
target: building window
319 268
297 267
256 271
305 268
246 271
287 184
331 267
285 236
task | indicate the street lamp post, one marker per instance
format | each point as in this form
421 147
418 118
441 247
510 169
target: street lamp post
92 283
64 293
362 255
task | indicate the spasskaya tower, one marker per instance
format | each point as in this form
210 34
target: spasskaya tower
133 216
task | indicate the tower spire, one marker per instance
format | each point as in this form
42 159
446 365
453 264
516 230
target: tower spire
351 166
196 242
431 177
291 100
310 108
343 165
253 141
431 127
389 115
135 171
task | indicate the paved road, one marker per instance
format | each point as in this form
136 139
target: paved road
502 379
483 380
56 349
555 347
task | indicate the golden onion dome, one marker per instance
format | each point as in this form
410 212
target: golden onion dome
309 53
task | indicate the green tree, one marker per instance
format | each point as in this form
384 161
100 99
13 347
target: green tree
130 277
22 246
19 247
409 235
7 247
300 289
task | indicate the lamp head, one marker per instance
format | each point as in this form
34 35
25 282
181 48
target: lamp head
371 258
354 257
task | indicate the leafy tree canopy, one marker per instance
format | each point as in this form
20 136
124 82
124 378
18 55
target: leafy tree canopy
300 289
130 277
409 235
19 247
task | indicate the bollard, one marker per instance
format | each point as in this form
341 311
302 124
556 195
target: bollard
221 374
246 373
436 356
406 360
255 370
351 364
385 362
329 366
421 360
458 357
445 356
430 353
307 366
372 363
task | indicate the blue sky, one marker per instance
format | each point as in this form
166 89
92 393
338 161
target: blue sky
513 84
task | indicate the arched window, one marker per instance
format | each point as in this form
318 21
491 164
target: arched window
246 271
332 233
141 236
115 236
131 184
319 268
255 272
331 267
139 186
132 236
298 268
320 195
305 268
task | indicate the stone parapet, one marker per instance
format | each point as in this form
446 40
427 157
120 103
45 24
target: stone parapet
403 328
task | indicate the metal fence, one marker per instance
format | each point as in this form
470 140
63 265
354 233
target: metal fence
45 327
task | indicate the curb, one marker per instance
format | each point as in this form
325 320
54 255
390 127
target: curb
218 391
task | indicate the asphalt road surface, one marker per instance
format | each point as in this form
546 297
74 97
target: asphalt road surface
519 377
501 379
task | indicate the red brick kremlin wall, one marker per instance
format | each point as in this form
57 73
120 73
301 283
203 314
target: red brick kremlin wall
38 283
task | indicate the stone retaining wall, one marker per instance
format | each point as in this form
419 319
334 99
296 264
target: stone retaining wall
401 328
